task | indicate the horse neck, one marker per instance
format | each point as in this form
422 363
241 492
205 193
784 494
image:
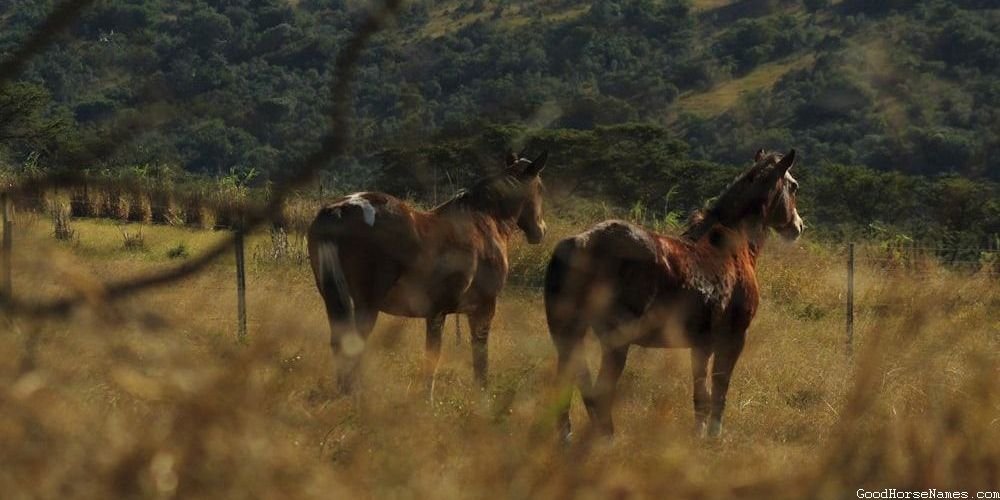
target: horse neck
464 206
750 231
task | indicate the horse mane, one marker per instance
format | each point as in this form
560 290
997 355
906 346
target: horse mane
488 195
701 221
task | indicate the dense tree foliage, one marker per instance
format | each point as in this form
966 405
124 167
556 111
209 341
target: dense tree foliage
897 98
644 165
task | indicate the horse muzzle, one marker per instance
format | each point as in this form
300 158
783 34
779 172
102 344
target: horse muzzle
793 230
536 234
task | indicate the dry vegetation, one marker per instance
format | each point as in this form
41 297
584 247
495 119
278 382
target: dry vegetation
448 17
153 398
724 96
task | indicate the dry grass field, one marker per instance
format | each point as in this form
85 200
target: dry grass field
724 96
154 398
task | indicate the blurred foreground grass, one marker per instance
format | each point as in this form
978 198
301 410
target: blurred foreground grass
153 398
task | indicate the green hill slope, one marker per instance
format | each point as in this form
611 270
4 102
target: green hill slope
656 89
893 86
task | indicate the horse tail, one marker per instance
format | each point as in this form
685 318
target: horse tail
558 268
566 282
567 279
329 272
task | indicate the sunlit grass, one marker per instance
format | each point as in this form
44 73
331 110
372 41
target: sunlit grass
443 20
703 5
153 397
725 95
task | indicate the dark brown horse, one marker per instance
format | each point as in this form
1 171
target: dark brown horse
371 253
697 291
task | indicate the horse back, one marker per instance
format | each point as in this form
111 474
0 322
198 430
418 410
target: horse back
665 291
369 224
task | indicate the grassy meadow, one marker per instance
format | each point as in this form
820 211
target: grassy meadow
153 397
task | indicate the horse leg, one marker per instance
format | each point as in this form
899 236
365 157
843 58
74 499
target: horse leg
354 346
348 347
727 352
331 280
432 352
699 373
602 396
370 287
344 341
567 338
479 324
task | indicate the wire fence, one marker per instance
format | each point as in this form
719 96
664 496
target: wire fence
177 215
879 263
236 220
295 173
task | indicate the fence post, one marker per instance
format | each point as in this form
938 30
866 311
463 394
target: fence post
241 287
850 298
8 244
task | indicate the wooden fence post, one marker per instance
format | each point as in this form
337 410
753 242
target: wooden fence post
850 298
8 244
241 288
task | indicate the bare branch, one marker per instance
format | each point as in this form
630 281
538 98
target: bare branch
332 145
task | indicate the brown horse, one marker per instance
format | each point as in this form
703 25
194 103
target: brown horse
371 252
697 291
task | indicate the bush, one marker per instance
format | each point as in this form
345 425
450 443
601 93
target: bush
133 241
61 217
178 251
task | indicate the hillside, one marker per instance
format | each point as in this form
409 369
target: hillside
237 87
827 74
163 333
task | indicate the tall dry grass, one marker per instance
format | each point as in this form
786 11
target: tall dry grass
154 398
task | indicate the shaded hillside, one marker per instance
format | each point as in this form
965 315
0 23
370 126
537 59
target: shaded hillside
890 86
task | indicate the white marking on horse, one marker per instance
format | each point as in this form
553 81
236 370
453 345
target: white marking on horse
359 201
797 221
710 285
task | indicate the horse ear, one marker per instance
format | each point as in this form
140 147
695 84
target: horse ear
537 165
511 158
786 162
759 156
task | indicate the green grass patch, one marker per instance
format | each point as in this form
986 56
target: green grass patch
724 96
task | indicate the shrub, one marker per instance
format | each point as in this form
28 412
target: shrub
281 249
205 217
95 202
61 217
174 213
178 251
120 206
132 241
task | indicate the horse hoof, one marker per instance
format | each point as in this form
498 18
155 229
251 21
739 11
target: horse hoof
700 430
566 439
714 430
344 390
429 393
485 401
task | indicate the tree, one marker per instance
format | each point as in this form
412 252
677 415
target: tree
27 121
